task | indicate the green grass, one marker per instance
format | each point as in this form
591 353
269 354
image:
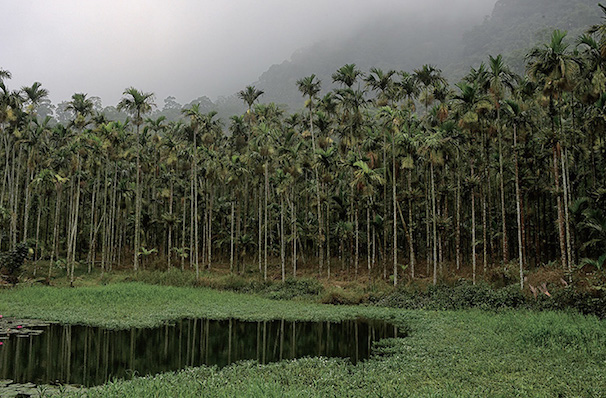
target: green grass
447 354
126 305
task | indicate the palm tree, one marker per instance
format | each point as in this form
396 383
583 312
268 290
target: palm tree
347 75
500 79
517 118
382 82
555 68
250 95
365 180
469 106
432 148
600 31
310 87
428 77
137 104
34 94
80 105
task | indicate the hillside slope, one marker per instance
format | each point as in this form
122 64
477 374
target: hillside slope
407 42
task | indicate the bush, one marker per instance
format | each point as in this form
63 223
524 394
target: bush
339 296
293 288
461 296
12 261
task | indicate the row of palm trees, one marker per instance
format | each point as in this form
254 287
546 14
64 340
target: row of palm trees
386 173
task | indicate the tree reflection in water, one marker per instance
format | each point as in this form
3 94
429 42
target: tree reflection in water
72 354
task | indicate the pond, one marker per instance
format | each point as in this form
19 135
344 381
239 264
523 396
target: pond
71 354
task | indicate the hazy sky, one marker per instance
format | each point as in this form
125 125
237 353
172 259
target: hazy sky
185 48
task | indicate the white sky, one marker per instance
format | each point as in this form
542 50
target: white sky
185 48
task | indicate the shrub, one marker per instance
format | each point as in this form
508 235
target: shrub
12 261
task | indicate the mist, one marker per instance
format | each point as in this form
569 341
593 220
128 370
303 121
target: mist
184 48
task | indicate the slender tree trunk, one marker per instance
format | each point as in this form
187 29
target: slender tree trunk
266 224
74 228
368 240
503 210
458 221
183 234
357 225
485 230
556 174
231 240
294 235
38 218
210 226
27 206
169 242
410 226
57 221
473 228
138 203
518 207
435 229
566 212
395 226
282 239
260 235
196 222
328 238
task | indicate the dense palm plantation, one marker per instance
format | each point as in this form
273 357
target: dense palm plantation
391 175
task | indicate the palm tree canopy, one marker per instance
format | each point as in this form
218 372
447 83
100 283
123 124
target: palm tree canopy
137 103
553 66
346 75
249 95
309 86
35 93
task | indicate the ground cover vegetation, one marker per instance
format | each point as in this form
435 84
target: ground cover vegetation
445 353
393 176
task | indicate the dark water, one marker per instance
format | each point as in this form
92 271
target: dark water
91 356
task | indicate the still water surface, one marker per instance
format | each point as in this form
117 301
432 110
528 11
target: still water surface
88 356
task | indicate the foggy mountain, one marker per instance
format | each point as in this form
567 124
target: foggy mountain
391 35
406 42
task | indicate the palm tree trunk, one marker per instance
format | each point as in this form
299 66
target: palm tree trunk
266 224
556 174
210 226
410 227
39 216
27 206
368 237
191 218
55 251
170 227
435 229
503 212
282 239
395 226
231 240
458 222
328 238
74 228
196 222
473 228
566 212
357 259
91 248
485 230
260 235
294 234
518 207
183 209
138 203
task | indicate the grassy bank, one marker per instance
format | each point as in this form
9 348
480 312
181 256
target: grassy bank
448 353
125 305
